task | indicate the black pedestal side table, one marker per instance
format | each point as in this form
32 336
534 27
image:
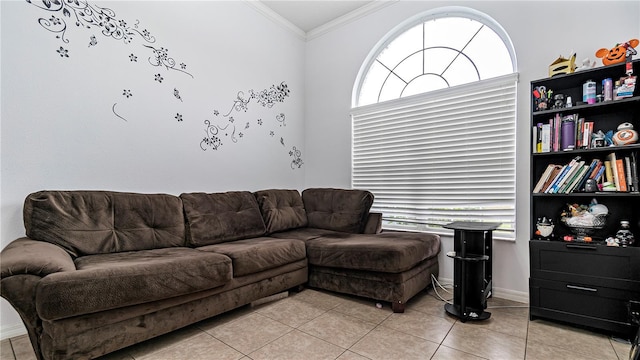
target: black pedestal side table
471 269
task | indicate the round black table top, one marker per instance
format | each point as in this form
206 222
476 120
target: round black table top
472 225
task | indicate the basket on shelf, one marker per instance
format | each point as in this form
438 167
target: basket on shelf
588 228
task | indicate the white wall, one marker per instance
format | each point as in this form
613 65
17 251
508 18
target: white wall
59 130
540 32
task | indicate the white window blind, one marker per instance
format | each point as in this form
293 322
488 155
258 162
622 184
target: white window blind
441 156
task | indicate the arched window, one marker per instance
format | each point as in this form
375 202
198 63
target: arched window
434 123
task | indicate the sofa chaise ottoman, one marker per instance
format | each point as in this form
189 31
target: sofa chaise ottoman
391 266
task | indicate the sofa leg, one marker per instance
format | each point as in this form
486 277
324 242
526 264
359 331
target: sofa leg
397 306
297 289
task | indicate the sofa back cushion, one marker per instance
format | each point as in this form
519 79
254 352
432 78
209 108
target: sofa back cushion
281 209
337 209
220 217
98 222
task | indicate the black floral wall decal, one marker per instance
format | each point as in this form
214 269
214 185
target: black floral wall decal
113 109
127 93
88 16
63 52
213 132
176 94
161 58
267 98
297 158
241 104
280 119
178 117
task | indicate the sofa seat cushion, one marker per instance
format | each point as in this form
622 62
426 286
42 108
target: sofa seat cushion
391 252
304 234
254 255
99 222
337 209
219 217
281 209
109 281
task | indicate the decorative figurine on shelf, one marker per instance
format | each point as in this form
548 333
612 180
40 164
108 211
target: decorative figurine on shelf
597 139
619 53
544 229
624 235
586 64
591 185
558 101
611 241
608 138
625 134
562 65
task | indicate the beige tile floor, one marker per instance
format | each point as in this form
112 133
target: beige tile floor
315 324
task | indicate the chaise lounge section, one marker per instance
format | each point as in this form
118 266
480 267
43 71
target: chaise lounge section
99 270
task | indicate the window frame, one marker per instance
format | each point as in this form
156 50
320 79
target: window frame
452 11
447 11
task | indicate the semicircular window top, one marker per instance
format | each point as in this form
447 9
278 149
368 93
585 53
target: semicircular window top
444 49
434 123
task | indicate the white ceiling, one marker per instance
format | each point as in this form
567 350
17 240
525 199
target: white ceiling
311 14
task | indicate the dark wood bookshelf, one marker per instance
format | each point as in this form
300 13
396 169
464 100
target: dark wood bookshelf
587 284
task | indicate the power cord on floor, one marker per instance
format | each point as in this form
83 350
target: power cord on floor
435 282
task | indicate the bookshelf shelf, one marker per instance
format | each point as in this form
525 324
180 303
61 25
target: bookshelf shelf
596 194
625 148
556 264
602 106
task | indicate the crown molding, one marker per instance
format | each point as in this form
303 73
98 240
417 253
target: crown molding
349 17
277 18
322 29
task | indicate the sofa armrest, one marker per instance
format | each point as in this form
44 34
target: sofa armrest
374 223
27 256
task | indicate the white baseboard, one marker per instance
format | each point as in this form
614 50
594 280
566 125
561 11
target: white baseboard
501 293
10 331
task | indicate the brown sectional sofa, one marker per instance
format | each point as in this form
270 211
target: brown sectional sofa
99 271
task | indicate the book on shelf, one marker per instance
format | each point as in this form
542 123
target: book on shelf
572 177
584 132
568 177
543 178
608 172
577 180
561 175
556 125
634 172
545 137
562 133
590 173
627 170
547 177
614 170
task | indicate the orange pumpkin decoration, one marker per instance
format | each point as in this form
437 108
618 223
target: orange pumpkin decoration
617 54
